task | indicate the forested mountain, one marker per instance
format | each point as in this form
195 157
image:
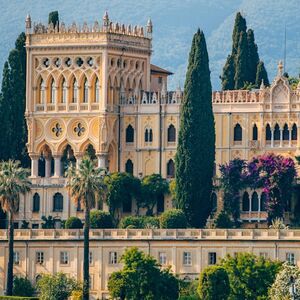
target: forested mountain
174 24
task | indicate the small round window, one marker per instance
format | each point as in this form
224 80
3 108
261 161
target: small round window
79 61
46 62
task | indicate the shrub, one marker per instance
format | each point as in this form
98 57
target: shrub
174 218
22 287
101 219
17 298
131 222
214 284
188 290
73 223
223 221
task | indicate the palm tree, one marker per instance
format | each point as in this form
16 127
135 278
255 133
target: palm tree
13 182
85 185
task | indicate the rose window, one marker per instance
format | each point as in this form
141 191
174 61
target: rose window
79 129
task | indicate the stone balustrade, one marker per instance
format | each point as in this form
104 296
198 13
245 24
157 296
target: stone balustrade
155 234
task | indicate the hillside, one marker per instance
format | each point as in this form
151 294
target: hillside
174 24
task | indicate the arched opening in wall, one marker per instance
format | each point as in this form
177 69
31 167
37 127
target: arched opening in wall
254 133
36 202
171 169
160 203
285 133
3 218
171 134
129 135
254 202
245 202
85 91
58 202
63 91
74 90
276 132
90 152
67 159
263 202
268 133
96 91
46 162
214 202
237 133
129 167
41 91
52 92
146 136
294 132
112 158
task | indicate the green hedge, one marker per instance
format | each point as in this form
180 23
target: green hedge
173 219
17 298
139 222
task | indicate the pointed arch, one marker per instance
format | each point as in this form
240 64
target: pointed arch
263 202
58 202
268 132
285 133
129 166
254 133
254 202
294 132
85 90
129 135
171 134
62 90
237 132
73 90
86 144
41 90
171 169
276 132
36 202
245 202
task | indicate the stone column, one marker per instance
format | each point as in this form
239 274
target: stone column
272 137
78 159
102 160
57 166
34 166
281 137
290 137
48 167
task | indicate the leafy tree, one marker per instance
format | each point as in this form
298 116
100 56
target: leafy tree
228 74
153 186
48 222
121 188
53 18
85 185
261 75
194 158
73 223
280 289
173 218
22 287
223 220
139 222
214 284
241 63
141 278
56 287
249 276
188 290
101 219
13 182
253 57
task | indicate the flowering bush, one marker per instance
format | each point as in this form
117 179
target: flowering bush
274 174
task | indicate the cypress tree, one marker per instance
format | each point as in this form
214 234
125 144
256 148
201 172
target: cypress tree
239 26
53 18
253 57
241 69
261 74
196 142
228 74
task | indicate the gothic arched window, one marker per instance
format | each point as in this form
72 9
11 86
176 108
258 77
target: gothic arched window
85 91
276 132
148 135
245 202
268 133
129 166
237 133
97 91
75 91
263 202
42 92
254 133
58 202
294 132
171 133
170 168
129 136
285 133
52 96
36 203
254 202
64 91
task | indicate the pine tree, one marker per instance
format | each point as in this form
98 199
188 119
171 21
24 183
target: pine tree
261 74
253 57
228 74
241 69
196 143
53 18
